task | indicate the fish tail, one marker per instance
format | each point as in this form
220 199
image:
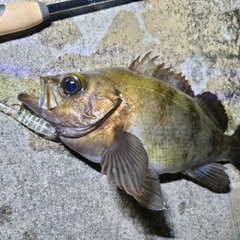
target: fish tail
235 160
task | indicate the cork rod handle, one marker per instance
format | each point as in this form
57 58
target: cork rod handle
19 16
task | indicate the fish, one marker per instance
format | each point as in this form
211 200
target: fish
139 122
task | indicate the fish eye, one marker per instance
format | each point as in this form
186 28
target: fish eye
72 83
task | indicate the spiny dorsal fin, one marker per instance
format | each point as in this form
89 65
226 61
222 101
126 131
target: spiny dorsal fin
214 109
147 66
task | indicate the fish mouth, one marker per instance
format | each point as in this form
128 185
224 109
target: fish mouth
44 106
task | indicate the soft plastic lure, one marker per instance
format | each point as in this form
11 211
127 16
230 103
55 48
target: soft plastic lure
29 120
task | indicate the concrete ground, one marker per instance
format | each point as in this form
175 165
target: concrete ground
47 191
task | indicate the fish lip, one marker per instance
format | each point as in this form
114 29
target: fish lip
30 101
44 100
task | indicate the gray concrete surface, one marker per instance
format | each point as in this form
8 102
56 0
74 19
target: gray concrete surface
48 192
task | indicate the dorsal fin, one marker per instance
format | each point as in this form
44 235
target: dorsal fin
147 66
214 109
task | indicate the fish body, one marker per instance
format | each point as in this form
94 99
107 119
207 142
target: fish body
139 122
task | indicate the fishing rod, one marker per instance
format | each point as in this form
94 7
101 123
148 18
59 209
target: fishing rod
19 16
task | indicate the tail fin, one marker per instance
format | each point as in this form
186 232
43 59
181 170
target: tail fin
235 160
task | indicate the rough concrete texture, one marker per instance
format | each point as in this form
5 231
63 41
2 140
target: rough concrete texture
48 192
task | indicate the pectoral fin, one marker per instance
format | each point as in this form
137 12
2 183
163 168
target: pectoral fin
125 162
212 176
151 197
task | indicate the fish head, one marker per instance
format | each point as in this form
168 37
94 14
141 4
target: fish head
76 103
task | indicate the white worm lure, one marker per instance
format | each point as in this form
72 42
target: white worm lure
30 121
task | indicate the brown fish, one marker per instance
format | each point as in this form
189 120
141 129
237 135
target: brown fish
139 122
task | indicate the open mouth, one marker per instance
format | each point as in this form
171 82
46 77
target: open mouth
33 103
43 105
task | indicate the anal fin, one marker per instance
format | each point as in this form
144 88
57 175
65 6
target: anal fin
212 176
151 196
